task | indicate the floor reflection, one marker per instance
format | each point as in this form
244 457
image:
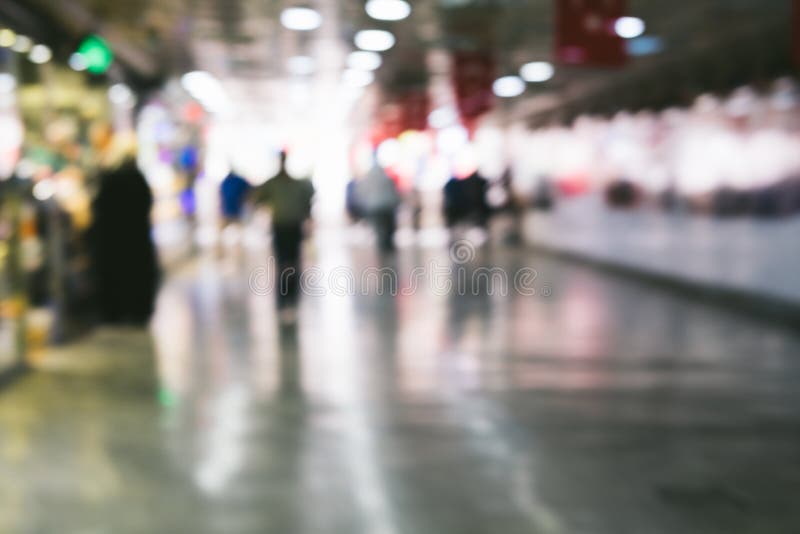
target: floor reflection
420 412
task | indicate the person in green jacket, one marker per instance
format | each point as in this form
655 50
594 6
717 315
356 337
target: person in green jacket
289 200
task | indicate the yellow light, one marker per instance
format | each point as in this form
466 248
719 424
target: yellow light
7 37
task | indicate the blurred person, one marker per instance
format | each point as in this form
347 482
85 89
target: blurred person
233 192
124 256
507 202
730 202
465 201
351 202
543 197
289 200
188 165
415 201
378 199
622 194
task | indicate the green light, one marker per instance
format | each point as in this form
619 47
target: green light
97 53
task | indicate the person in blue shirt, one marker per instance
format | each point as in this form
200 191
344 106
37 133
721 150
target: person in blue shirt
233 194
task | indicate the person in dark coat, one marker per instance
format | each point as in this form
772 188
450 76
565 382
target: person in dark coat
465 201
124 256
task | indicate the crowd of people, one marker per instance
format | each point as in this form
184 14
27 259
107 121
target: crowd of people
119 281
373 198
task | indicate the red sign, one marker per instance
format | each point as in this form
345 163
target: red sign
415 105
473 76
586 35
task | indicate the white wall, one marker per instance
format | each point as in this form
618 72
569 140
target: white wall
753 255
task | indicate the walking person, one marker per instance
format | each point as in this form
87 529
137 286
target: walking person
289 201
465 202
378 200
233 191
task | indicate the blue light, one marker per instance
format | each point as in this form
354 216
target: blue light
645 46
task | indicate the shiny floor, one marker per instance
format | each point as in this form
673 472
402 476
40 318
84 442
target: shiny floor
596 405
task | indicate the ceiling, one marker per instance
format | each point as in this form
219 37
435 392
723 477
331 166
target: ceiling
710 44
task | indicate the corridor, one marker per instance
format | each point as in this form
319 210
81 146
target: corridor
598 405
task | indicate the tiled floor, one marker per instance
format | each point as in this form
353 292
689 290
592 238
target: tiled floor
597 405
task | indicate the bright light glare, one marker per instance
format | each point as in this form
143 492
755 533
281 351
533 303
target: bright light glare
388 9
301 19
22 44
537 71
629 27
465 161
508 86
301 65
452 139
7 82
78 62
374 40
40 54
44 190
205 89
357 78
7 37
388 153
119 93
363 60
442 117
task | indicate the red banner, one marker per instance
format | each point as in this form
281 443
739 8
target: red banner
408 111
586 35
473 76
416 106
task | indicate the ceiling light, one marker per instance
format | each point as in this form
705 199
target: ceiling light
537 71
7 82
78 62
40 54
22 44
362 60
301 18
374 40
629 27
7 37
207 90
388 9
357 78
508 86
301 65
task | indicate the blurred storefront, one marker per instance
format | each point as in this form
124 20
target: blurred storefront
12 289
56 119
61 111
707 195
